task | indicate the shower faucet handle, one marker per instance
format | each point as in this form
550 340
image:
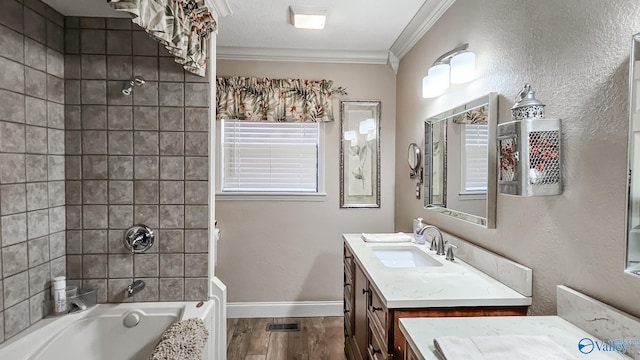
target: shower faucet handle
139 238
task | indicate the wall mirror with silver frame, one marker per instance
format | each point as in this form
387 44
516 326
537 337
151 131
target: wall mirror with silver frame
632 263
460 161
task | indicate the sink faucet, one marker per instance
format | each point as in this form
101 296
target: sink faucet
439 239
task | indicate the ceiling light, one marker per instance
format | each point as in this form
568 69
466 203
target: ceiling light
305 17
456 66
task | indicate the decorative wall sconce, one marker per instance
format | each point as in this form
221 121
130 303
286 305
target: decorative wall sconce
456 67
529 149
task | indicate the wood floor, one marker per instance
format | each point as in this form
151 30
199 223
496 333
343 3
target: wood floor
319 338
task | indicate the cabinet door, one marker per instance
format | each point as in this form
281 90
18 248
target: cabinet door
361 289
410 354
348 293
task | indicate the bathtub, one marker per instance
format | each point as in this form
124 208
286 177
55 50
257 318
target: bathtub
99 333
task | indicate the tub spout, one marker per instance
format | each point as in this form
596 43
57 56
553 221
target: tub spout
133 288
76 304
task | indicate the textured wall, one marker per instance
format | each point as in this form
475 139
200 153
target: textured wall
575 54
31 160
292 251
134 159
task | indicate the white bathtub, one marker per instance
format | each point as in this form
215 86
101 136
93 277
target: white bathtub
100 334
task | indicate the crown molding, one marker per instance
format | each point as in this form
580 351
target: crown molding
394 62
428 14
302 55
220 8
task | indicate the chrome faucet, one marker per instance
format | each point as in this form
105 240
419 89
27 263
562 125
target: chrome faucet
134 287
76 304
439 242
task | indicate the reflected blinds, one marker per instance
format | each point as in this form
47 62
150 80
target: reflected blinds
476 145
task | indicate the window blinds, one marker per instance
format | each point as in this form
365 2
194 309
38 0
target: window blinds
476 146
269 156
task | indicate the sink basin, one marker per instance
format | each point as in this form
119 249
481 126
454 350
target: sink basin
404 257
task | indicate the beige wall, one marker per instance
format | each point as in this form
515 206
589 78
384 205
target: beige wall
292 251
575 54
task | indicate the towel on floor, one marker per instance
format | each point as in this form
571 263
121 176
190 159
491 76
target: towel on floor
183 340
387 238
504 347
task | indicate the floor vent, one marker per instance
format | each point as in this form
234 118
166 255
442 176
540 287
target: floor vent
283 327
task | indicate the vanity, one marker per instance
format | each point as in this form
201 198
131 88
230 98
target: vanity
582 328
381 286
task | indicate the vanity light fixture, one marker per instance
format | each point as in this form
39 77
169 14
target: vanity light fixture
306 17
456 66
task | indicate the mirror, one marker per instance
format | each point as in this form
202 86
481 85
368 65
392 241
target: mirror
632 263
415 157
415 164
460 161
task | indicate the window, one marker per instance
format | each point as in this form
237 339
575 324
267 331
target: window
475 149
270 157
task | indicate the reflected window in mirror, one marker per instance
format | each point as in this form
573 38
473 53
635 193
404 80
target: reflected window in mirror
475 146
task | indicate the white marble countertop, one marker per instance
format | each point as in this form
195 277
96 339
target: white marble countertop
420 332
454 284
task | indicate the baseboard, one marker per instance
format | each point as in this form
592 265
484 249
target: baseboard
284 309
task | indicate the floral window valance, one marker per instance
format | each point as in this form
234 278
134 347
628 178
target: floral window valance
284 100
182 26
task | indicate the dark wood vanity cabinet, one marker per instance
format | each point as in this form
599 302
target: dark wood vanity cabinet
372 330
355 305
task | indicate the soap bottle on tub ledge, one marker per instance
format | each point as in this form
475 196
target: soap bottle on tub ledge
417 225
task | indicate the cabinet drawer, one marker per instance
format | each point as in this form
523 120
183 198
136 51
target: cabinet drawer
378 314
377 347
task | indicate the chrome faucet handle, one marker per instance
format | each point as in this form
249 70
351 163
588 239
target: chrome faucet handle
434 243
440 247
450 252
138 238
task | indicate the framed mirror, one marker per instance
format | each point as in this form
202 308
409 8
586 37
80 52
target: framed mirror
460 161
632 263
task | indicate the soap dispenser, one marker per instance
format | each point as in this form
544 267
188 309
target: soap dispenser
417 225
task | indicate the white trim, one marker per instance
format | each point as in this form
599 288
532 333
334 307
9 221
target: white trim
238 196
424 19
220 8
284 309
213 241
394 62
302 55
472 196
218 341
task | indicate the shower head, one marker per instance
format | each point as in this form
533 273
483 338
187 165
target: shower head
128 87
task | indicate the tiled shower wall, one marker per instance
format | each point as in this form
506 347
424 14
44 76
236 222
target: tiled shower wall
139 159
32 212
